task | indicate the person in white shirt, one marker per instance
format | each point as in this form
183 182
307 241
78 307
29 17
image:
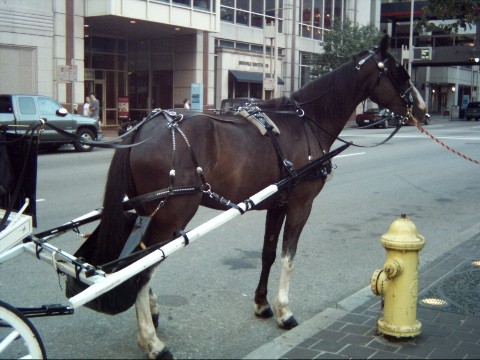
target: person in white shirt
86 106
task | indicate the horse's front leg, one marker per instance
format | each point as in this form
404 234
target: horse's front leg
273 225
154 308
146 333
296 219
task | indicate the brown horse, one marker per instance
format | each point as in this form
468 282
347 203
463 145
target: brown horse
233 159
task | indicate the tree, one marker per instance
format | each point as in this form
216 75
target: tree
464 13
342 42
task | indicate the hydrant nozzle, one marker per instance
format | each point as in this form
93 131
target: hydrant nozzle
397 282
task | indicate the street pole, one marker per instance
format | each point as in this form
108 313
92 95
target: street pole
275 72
410 41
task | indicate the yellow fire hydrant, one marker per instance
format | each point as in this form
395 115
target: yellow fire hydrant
397 282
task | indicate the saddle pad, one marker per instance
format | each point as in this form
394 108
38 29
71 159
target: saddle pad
259 121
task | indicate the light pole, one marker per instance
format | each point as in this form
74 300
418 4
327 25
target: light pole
410 41
271 32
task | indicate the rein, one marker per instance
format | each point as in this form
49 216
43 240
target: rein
422 130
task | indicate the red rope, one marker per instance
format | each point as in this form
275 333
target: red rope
419 127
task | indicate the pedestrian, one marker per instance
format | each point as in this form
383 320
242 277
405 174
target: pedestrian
186 104
86 106
94 106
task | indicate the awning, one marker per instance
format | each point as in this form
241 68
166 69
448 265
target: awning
252 77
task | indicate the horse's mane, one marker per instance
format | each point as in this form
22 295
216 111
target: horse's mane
333 89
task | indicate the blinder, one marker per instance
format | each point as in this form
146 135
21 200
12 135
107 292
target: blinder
395 72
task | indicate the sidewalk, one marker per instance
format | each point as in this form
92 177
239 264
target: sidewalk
450 331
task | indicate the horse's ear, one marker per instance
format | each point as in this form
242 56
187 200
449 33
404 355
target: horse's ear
384 44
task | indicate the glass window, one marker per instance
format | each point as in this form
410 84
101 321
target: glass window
306 13
270 7
243 4
257 21
122 46
317 13
182 2
225 43
327 21
338 9
257 48
202 4
111 100
27 105
47 106
230 3
242 46
103 61
241 89
257 6
227 14
105 45
242 17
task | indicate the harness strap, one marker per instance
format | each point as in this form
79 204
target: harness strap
287 164
130 204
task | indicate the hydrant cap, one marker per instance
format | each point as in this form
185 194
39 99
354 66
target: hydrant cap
403 235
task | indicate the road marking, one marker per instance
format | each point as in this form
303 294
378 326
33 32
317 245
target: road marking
416 137
361 153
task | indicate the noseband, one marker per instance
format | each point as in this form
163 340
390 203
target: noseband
397 75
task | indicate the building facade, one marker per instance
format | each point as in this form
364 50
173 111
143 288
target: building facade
441 64
146 54
152 53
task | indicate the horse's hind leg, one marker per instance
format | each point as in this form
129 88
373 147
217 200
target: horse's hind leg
146 335
274 222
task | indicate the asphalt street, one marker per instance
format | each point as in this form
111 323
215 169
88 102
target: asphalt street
206 290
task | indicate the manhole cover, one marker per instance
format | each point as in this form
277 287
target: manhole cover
458 292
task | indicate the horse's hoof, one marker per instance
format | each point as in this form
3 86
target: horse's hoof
265 313
290 323
165 354
155 320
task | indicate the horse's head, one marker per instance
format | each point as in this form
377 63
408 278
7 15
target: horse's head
391 86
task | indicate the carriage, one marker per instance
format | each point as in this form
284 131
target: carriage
160 175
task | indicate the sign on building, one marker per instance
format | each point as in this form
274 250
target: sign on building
269 83
422 53
197 97
66 73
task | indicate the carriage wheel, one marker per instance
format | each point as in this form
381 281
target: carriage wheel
18 337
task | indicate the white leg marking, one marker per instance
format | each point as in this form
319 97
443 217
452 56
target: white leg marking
154 308
146 334
282 312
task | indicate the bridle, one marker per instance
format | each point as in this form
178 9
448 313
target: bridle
397 75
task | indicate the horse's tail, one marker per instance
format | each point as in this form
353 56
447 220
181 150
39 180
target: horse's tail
114 226
107 241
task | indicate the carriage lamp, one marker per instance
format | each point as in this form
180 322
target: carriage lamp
397 281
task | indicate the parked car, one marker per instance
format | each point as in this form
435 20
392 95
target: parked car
22 110
472 111
371 116
230 106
